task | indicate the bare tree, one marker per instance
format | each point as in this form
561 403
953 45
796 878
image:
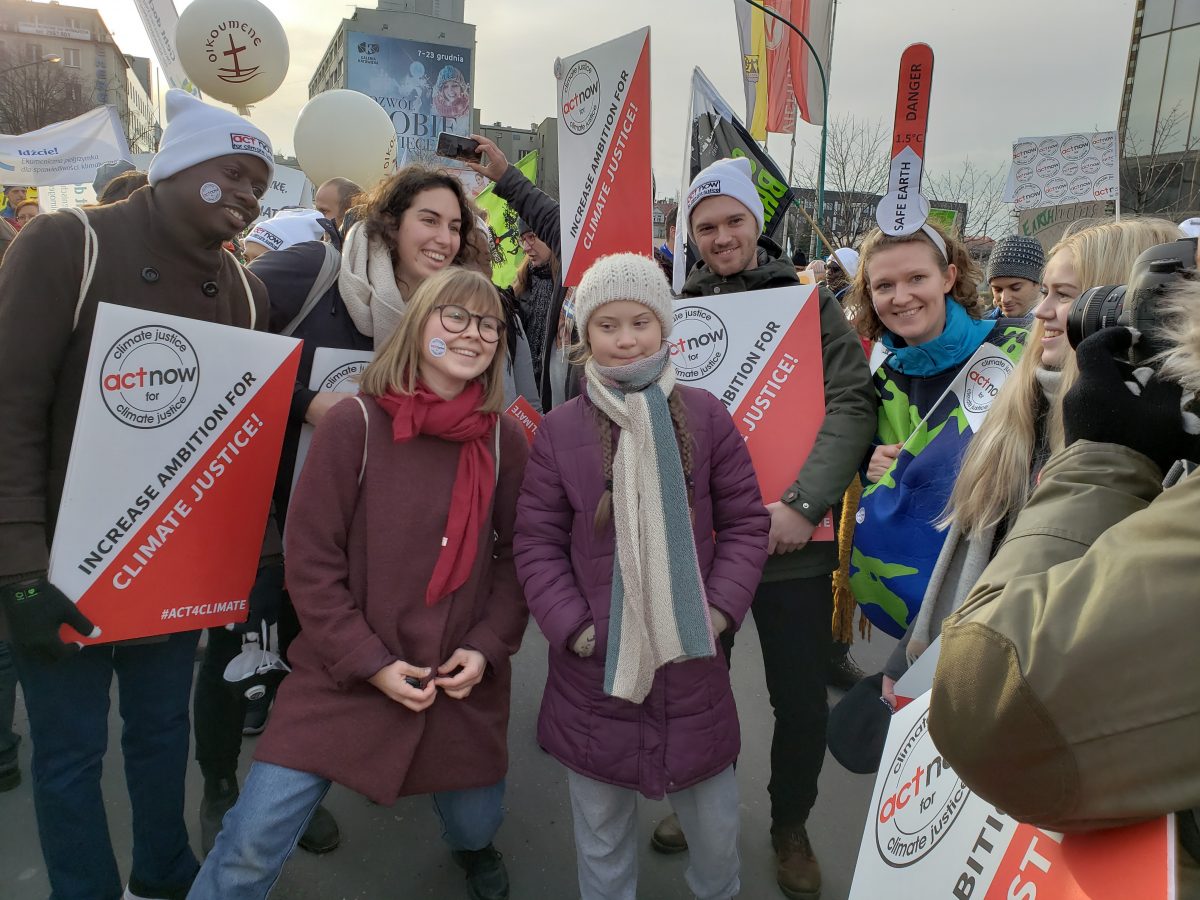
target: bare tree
982 191
857 157
1151 175
34 96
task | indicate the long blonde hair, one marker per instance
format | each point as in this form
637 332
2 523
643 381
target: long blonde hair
395 367
993 481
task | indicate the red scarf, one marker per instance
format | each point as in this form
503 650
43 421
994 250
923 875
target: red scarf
458 420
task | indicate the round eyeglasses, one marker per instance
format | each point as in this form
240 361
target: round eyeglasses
455 319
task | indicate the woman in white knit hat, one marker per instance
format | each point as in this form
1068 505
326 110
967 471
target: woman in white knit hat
641 535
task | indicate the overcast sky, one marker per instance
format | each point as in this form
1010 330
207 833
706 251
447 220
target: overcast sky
1002 69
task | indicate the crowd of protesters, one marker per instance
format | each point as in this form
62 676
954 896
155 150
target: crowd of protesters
637 503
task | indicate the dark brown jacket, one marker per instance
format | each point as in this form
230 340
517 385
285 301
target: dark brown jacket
43 356
358 562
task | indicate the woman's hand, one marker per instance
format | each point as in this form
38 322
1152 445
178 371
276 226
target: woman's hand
392 680
882 460
471 663
497 163
584 644
720 621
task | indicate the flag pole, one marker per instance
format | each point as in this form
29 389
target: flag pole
824 104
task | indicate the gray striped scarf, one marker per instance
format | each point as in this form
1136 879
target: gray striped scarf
659 610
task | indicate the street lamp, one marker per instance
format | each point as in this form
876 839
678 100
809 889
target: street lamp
46 58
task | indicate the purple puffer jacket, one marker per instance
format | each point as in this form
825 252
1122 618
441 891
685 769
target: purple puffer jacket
686 730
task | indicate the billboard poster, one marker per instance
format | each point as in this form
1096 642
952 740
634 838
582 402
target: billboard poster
604 152
759 353
929 835
425 88
162 531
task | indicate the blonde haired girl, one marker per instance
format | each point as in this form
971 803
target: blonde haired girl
399 562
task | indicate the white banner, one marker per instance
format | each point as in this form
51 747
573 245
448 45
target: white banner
929 836
161 20
67 152
52 198
1065 168
289 187
172 466
604 152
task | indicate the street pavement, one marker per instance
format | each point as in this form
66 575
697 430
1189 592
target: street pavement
397 852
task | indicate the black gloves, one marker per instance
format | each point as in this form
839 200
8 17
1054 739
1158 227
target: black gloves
1114 403
36 609
266 596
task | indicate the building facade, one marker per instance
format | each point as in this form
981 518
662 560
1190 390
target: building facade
93 69
516 142
1159 124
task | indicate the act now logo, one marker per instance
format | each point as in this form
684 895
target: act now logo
149 376
699 342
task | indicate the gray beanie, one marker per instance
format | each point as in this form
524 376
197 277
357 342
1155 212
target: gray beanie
1017 257
624 276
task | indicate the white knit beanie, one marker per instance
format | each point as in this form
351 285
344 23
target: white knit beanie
624 276
197 132
287 227
731 177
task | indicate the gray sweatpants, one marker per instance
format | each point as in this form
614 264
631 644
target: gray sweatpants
606 840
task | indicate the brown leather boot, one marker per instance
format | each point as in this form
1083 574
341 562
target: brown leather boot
798 873
668 836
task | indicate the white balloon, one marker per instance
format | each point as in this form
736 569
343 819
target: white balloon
234 51
347 134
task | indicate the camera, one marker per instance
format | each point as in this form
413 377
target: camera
1137 304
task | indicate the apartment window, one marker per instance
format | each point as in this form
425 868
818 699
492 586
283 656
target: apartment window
75 91
33 52
71 57
72 22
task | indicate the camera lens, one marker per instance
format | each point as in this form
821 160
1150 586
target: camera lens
1094 309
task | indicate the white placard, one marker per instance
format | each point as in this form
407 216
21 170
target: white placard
172 464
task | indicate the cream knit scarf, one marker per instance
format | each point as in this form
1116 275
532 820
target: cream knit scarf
367 283
659 611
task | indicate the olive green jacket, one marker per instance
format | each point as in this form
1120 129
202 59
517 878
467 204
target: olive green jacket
850 409
1068 687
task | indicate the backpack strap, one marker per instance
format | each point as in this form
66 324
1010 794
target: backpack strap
362 468
325 279
241 270
91 253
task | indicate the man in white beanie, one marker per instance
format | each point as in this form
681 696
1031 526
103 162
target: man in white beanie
840 269
161 250
286 227
793 605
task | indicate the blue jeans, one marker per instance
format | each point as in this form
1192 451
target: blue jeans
68 703
260 832
8 708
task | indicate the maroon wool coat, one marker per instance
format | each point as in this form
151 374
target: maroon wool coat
686 730
358 562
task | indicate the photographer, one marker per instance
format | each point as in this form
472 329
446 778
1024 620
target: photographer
1097 577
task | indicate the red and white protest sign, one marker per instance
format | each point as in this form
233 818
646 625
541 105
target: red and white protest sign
927 835
759 353
172 465
604 152
526 416
903 209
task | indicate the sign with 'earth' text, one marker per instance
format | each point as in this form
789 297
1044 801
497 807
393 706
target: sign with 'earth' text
161 529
